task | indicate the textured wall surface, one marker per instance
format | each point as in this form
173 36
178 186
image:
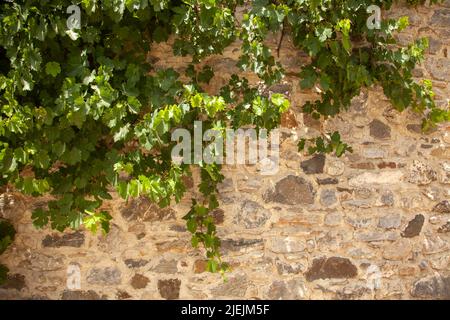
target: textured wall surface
374 224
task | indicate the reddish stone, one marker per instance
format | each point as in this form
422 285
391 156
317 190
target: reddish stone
384 165
333 267
291 190
169 289
414 227
288 120
200 266
218 216
122 295
363 166
139 281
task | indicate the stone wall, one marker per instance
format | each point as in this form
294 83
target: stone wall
374 224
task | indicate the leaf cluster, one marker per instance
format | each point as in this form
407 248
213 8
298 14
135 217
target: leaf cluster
83 111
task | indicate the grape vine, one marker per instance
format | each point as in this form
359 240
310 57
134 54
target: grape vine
82 110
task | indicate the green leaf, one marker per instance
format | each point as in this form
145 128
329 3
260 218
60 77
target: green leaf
336 137
195 241
160 34
73 156
52 68
212 266
7 234
191 225
93 220
122 133
72 34
309 78
280 101
3 274
325 82
340 150
40 218
301 144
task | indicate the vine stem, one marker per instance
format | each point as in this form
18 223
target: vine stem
280 41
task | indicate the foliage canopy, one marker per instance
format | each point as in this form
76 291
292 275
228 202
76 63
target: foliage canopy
82 110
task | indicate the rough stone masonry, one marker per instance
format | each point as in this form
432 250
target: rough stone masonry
374 224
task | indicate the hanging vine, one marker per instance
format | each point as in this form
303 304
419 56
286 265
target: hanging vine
82 109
